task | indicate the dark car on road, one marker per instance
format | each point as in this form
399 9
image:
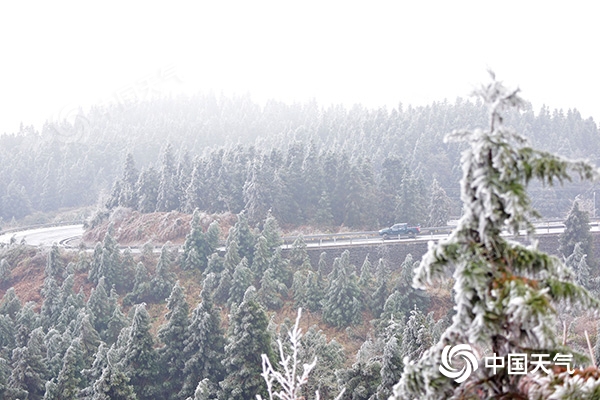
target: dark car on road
399 230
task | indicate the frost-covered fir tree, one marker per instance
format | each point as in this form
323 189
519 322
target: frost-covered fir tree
4 270
50 310
204 391
391 368
314 286
69 378
242 278
116 323
141 285
577 262
147 187
285 380
366 279
504 291
381 291
406 297
56 345
204 347
199 245
164 278
272 233
99 306
113 384
330 358
168 196
439 205
262 257
244 237
298 254
94 371
271 292
417 335
248 338
94 272
139 358
110 261
192 244
577 230
88 337
232 256
341 304
10 304
30 372
26 321
363 378
173 334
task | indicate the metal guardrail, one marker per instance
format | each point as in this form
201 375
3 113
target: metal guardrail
334 237
322 239
425 231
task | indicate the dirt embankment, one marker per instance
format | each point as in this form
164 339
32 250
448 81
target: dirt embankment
132 228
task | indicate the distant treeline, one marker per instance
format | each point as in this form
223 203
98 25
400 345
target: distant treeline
302 186
356 162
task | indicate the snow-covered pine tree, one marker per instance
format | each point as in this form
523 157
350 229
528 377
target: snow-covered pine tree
204 347
262 256
26 321
193 241
439 205
113 384
577 230
173 334
298 254
391 368
342 305
164 278
88 337
50 310
127 197
99 307
270 294
504 291
116 323
141 285
272 233
577 262
248 338
69 378
168 196
199 245
139 358
30 371
147 187
361 381
381 290
95 264
244 237
10 304
242 278
4 270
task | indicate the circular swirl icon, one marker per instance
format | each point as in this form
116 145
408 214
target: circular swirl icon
469 359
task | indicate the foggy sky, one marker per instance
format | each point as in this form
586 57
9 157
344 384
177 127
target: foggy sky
59 55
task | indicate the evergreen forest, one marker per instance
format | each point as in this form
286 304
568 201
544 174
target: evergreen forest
218 317
309 165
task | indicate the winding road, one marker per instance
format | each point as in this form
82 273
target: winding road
46 236
62 234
